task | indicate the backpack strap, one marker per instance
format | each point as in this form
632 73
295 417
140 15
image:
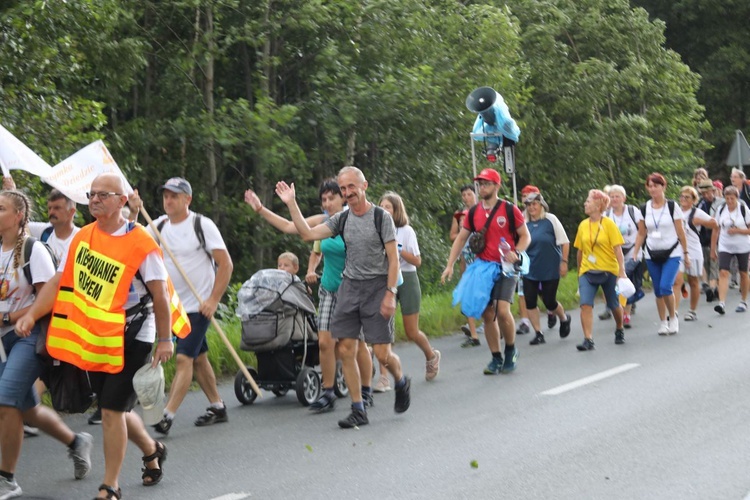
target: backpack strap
28 247
631 212
510 213
198 228
46 233
472 211
643 210
690 221
342 224
161 224
378 219
670 206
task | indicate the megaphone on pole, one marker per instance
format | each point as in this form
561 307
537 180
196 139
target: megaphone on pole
494 116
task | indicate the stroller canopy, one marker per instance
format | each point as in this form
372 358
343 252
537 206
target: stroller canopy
269 289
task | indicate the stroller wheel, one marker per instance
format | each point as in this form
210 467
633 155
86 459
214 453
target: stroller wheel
340 387
242 388
308 386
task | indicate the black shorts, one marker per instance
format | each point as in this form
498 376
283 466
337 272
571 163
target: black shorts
115 391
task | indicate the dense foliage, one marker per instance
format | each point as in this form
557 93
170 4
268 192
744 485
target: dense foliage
238 94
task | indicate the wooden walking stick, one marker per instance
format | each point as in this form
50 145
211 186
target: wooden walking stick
215 323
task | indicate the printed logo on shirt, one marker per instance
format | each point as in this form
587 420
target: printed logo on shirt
501 220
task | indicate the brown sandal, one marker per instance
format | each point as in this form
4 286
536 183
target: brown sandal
111 492
154 475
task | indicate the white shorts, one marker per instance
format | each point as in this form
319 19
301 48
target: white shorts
696 267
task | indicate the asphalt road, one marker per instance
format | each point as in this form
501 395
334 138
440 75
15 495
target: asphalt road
662 418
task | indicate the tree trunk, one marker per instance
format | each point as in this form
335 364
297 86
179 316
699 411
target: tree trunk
210 108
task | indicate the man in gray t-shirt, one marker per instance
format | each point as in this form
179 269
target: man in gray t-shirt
366 299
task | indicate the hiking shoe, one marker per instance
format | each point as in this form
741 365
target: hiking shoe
741 308
619 337
586 345
29 431
433 366
606 314
367 399
673 324
691 316
626 321
511 356
96 417
719 308
539 339
565 327
325 403
355 419
383 385
470 342
467 331
495 366
710 294
403 397
9 488
212 416
163 426
551 320
81 455
663 328
522 329
733 285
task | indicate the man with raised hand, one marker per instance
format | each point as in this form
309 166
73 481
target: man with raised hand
196 244
111 301
367 295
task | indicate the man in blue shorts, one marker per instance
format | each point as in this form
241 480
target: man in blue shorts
202 254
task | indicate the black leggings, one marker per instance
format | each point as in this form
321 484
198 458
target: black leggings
549 293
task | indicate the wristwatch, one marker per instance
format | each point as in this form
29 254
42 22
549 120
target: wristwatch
393 290
6 319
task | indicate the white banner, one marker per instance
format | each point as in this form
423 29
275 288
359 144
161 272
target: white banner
73 175
15 155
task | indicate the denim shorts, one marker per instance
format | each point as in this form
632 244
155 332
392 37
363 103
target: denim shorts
17 375
195 343
588 291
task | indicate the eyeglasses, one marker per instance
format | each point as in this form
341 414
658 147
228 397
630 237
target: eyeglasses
103 195
485 183
529 203
686 196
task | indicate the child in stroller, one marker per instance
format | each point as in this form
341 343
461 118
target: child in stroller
279 326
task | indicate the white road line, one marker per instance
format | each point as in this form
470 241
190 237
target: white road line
590 379
233 496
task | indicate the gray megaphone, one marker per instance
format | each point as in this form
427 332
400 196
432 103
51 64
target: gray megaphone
480 101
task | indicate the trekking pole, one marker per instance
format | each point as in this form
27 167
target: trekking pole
215 323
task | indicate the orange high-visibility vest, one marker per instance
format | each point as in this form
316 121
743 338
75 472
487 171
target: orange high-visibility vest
88 319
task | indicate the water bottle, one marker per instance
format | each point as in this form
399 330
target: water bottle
508 267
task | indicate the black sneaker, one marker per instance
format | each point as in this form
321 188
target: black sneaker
355 419
606 314
368 400
470 342
466 330
551 320
324 404
96 417
565 327
163 426
719 308
522 329
539 339
212 416
619 336
403 398
710 296
587 345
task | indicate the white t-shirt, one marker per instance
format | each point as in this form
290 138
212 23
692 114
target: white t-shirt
695 251
406 237
733 243
151 269
660 228
627 226
15 292
59 247
183 242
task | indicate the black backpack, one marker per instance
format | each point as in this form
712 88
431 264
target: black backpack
28 246
510 214
377 217
198 228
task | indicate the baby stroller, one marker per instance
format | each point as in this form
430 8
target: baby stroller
278 325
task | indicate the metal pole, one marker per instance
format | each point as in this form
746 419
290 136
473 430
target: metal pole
738 134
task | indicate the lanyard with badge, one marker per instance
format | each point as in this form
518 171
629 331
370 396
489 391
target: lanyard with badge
591 258
656 234
4 288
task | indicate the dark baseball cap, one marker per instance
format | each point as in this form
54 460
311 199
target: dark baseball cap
177 185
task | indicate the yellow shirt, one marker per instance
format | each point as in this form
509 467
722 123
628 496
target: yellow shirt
598 239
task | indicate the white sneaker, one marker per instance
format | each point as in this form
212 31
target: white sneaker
81 455
383 385
691 316
674 325
9 489
663 328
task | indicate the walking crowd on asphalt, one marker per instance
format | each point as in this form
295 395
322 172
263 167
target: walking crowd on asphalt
114 298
